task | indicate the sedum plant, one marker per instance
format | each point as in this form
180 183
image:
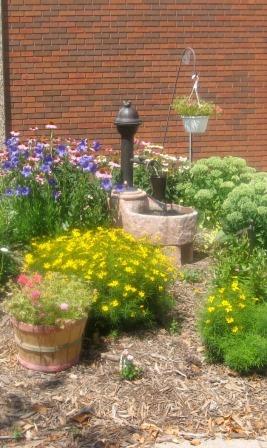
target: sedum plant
208 182
246 205
132 277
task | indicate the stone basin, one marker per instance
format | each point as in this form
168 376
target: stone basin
172 226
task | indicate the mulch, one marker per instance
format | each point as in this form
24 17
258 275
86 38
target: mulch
179 395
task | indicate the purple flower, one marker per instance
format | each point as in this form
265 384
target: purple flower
26 171
96 146
91 167
61 150
52 181
106 184
7 165
10 192
48 160
119 188
82 145
88 164
38 150
44 168
56 195
23 191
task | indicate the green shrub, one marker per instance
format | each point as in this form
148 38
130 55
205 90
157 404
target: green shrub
246 353
132 277
247 205
238 258
208 183
233 327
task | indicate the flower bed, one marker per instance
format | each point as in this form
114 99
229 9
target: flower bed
132 277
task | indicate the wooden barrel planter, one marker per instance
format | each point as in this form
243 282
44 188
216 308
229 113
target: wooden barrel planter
49 348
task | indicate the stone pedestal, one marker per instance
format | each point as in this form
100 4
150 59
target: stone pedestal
171 226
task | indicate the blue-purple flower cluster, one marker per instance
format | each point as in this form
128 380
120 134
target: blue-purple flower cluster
36 160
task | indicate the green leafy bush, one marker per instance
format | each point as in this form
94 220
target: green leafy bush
132 277
230 318
208 183
238 259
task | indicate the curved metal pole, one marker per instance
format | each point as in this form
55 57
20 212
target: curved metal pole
185 59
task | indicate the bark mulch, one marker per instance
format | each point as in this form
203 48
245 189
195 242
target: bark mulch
179 395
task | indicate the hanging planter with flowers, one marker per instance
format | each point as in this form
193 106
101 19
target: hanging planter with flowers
195 113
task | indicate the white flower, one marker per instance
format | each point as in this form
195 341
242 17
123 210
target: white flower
50 126
183 159
5 250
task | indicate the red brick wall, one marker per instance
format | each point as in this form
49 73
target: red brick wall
73 62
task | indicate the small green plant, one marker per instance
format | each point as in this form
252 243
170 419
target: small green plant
174 327
128 370
191 275
17 433
187 107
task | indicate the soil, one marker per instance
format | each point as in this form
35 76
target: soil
179 395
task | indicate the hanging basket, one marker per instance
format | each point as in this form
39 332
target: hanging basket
196 124
49 348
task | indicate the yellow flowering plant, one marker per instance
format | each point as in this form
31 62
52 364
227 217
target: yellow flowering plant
230 316
132 277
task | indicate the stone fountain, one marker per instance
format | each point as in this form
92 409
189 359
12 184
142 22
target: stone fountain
168 225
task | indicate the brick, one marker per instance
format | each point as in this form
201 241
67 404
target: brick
74 62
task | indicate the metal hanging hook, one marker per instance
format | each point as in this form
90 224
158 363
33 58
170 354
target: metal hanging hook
185 59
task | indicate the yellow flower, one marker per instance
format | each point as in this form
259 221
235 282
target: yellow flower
129 270
141 294
115 303
28 258
211 309
47 265
229 309
241 305
221 290
235 330
225 303
76 233
104 308
242 297
235 286
160 288
101 275
229 320
129 288
211 299
113 284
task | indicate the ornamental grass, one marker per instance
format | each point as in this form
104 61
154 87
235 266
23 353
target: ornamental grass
132 278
